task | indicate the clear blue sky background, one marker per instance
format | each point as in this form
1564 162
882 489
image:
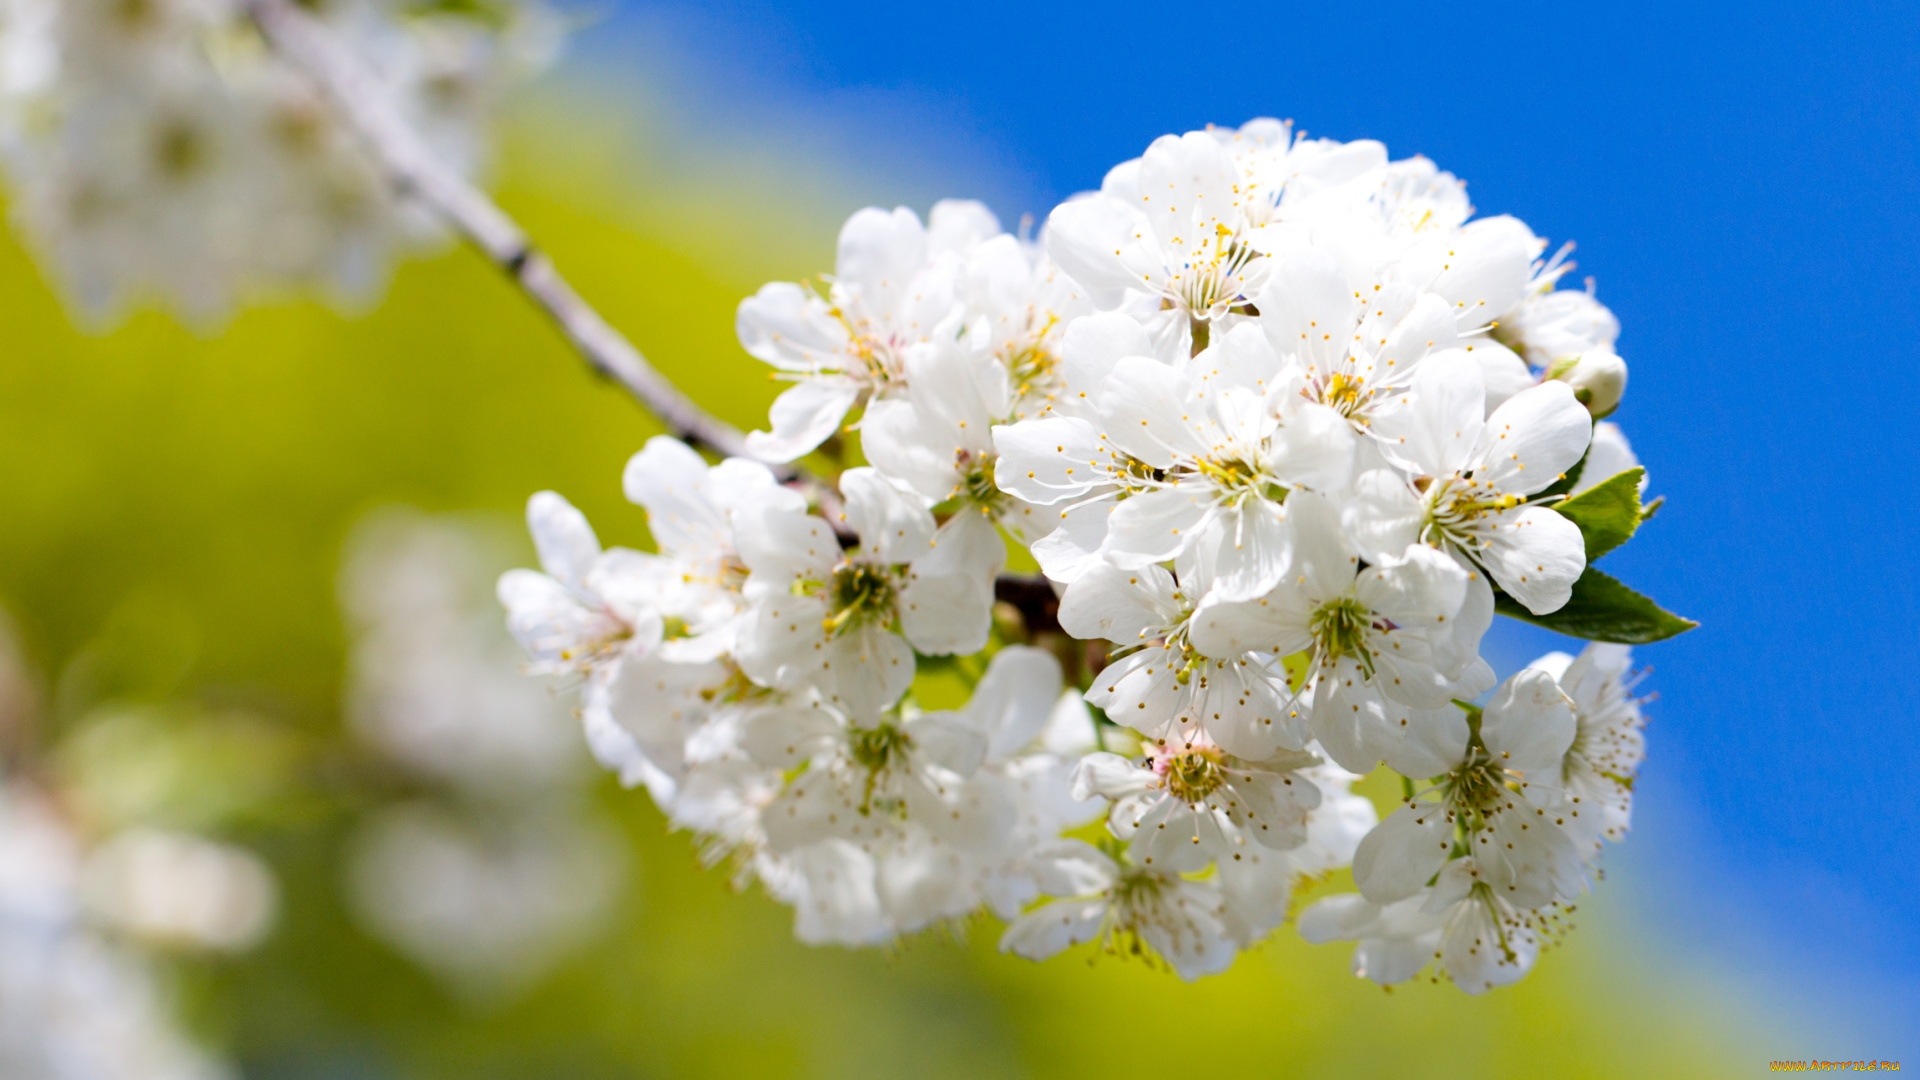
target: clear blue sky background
1745 185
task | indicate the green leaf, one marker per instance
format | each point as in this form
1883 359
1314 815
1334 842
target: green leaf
1607 512
1602 609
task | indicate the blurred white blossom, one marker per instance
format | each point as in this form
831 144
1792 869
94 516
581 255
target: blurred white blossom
170 887
159 152
74 1003
511 869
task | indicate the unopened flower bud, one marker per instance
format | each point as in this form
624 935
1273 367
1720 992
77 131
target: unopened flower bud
1599 380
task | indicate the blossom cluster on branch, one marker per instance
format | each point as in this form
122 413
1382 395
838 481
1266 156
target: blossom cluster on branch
1284 427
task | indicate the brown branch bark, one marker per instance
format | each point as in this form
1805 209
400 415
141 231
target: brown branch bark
413 170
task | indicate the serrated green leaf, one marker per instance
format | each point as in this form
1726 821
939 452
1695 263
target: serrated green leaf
1602 609
1607 512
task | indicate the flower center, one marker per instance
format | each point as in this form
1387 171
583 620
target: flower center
1345 394
1238 480
876 356
1031 365
876 750
733 573
1341 628
860 594
610 633
1456 505
181 151
976 480
1212 276
1479 785
1193 775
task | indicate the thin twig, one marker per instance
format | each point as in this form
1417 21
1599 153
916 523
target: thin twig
414 170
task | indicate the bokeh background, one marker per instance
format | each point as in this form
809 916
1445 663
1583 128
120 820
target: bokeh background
196 526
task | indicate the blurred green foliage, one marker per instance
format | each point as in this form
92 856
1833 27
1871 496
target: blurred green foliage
176 505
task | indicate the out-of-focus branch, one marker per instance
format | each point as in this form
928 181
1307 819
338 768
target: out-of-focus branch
297 37
413 169
1033 597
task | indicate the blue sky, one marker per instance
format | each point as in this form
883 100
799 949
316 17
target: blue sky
1745 186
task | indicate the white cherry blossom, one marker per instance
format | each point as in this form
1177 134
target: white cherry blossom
1280 167
1379 641
1608 743
1160 684
894 281
589 609
1262 412
1357 342
936 438
1464 484
1501 799
159 153
1126 909
1185 807
847 623
1553 323
1173 226
1462 925
1061 461
1225 439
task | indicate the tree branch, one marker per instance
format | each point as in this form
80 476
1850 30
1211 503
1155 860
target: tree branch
413 170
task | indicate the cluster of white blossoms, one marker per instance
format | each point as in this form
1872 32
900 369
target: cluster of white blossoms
1283 429
158 151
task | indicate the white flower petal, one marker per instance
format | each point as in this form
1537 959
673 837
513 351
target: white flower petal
1144 411
1397 859
893 525
880 253
1155 526
803 417
1533 439
1529 725
1051 929
1047 461
568 549
1536 555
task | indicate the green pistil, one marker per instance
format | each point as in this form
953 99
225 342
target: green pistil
1240 479
1457 504
876 750
977 485
1190 661
1136 888
1340 628
860 594
1477 785
1483 893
